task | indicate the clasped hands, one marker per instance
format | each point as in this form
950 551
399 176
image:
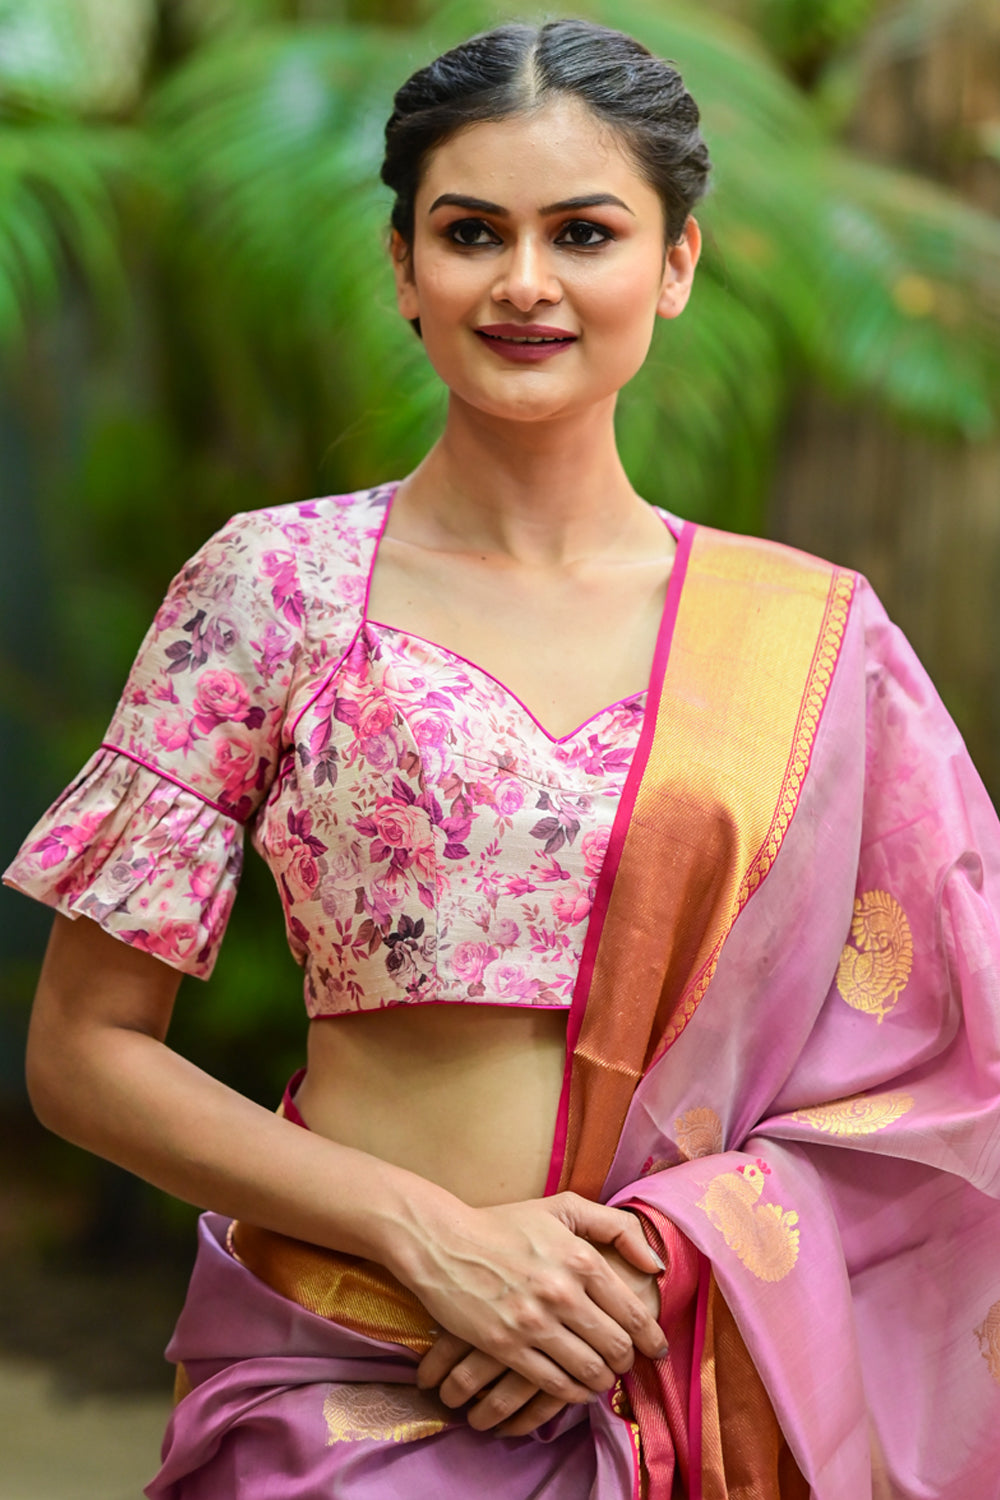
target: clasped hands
548 1302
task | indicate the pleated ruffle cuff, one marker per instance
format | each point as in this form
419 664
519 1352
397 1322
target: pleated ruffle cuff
144 857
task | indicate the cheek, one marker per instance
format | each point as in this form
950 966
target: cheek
447 286
625 302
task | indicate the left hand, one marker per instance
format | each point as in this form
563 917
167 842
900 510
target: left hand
513 1406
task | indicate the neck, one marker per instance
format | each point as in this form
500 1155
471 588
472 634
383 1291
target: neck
543 493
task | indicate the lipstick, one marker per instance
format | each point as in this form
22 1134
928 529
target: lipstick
525 343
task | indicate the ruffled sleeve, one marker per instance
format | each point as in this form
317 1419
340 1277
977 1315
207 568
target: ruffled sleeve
146 859
148 840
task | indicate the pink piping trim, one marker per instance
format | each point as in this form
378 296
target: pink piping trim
289 1108
556 739
226 812
336 1015
694 1403
616 843
328 677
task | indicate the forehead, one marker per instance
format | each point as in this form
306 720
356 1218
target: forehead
559 150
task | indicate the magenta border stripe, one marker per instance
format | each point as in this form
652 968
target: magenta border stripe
329 676
694 1402
226 812
616 843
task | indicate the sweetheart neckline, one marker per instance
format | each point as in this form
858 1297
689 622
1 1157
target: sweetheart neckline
555 739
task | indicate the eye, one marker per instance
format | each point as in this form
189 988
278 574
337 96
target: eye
471 232
583 235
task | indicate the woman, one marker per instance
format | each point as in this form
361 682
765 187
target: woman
651 1101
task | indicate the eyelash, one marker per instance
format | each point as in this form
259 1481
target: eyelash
452 233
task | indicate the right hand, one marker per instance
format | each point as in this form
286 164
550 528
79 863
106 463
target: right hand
521 1283
507 1402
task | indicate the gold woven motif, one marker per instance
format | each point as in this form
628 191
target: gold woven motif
380 1413
762 1235
988 1334
698 1132
862 1114
873 973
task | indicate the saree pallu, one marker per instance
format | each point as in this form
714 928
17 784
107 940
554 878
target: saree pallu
784 1054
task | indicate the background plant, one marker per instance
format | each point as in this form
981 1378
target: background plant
196 317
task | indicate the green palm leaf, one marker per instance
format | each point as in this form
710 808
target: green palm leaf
60 193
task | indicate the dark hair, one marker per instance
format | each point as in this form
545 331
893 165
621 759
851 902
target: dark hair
516 67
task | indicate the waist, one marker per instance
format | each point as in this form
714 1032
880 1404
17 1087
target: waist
466 1097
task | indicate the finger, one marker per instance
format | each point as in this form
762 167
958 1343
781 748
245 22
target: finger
608 1226
503 1401
611 1319
546 1374
601 1335
469 1377
532 1415
627 1311
636 1249
442 1357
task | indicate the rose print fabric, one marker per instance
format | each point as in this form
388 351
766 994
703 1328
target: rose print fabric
430 841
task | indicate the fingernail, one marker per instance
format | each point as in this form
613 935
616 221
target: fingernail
659 1262
662 1353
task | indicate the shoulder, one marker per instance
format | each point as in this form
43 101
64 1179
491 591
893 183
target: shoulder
294 560
760 556
346 526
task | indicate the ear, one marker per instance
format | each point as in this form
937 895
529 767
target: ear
678 271
402 268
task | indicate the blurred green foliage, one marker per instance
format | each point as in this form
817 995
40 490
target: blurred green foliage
196 317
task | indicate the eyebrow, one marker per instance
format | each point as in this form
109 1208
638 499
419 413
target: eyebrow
566 205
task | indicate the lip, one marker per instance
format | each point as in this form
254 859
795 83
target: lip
524 331
500 337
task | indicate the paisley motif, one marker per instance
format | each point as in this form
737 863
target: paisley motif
380 1413
862 1114
873 973
698 1132
988 1334
762 1235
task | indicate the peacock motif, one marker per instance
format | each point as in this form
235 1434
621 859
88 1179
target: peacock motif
762 1235
873 973
698 1132
380 1413
988 1334
862 1114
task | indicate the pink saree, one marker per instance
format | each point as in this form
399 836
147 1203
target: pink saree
784 1054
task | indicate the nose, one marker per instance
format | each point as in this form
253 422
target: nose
527 276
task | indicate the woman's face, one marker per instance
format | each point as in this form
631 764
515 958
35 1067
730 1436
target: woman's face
539 227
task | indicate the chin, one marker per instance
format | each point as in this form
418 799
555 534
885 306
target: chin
534 405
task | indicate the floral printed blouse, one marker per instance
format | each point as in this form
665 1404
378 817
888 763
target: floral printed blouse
429 839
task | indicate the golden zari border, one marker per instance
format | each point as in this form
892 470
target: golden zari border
758 633
820 676
358 1294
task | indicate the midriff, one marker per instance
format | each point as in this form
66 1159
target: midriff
464 1095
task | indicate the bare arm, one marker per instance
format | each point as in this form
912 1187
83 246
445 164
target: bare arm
519 1281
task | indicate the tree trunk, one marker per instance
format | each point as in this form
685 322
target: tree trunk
921 518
